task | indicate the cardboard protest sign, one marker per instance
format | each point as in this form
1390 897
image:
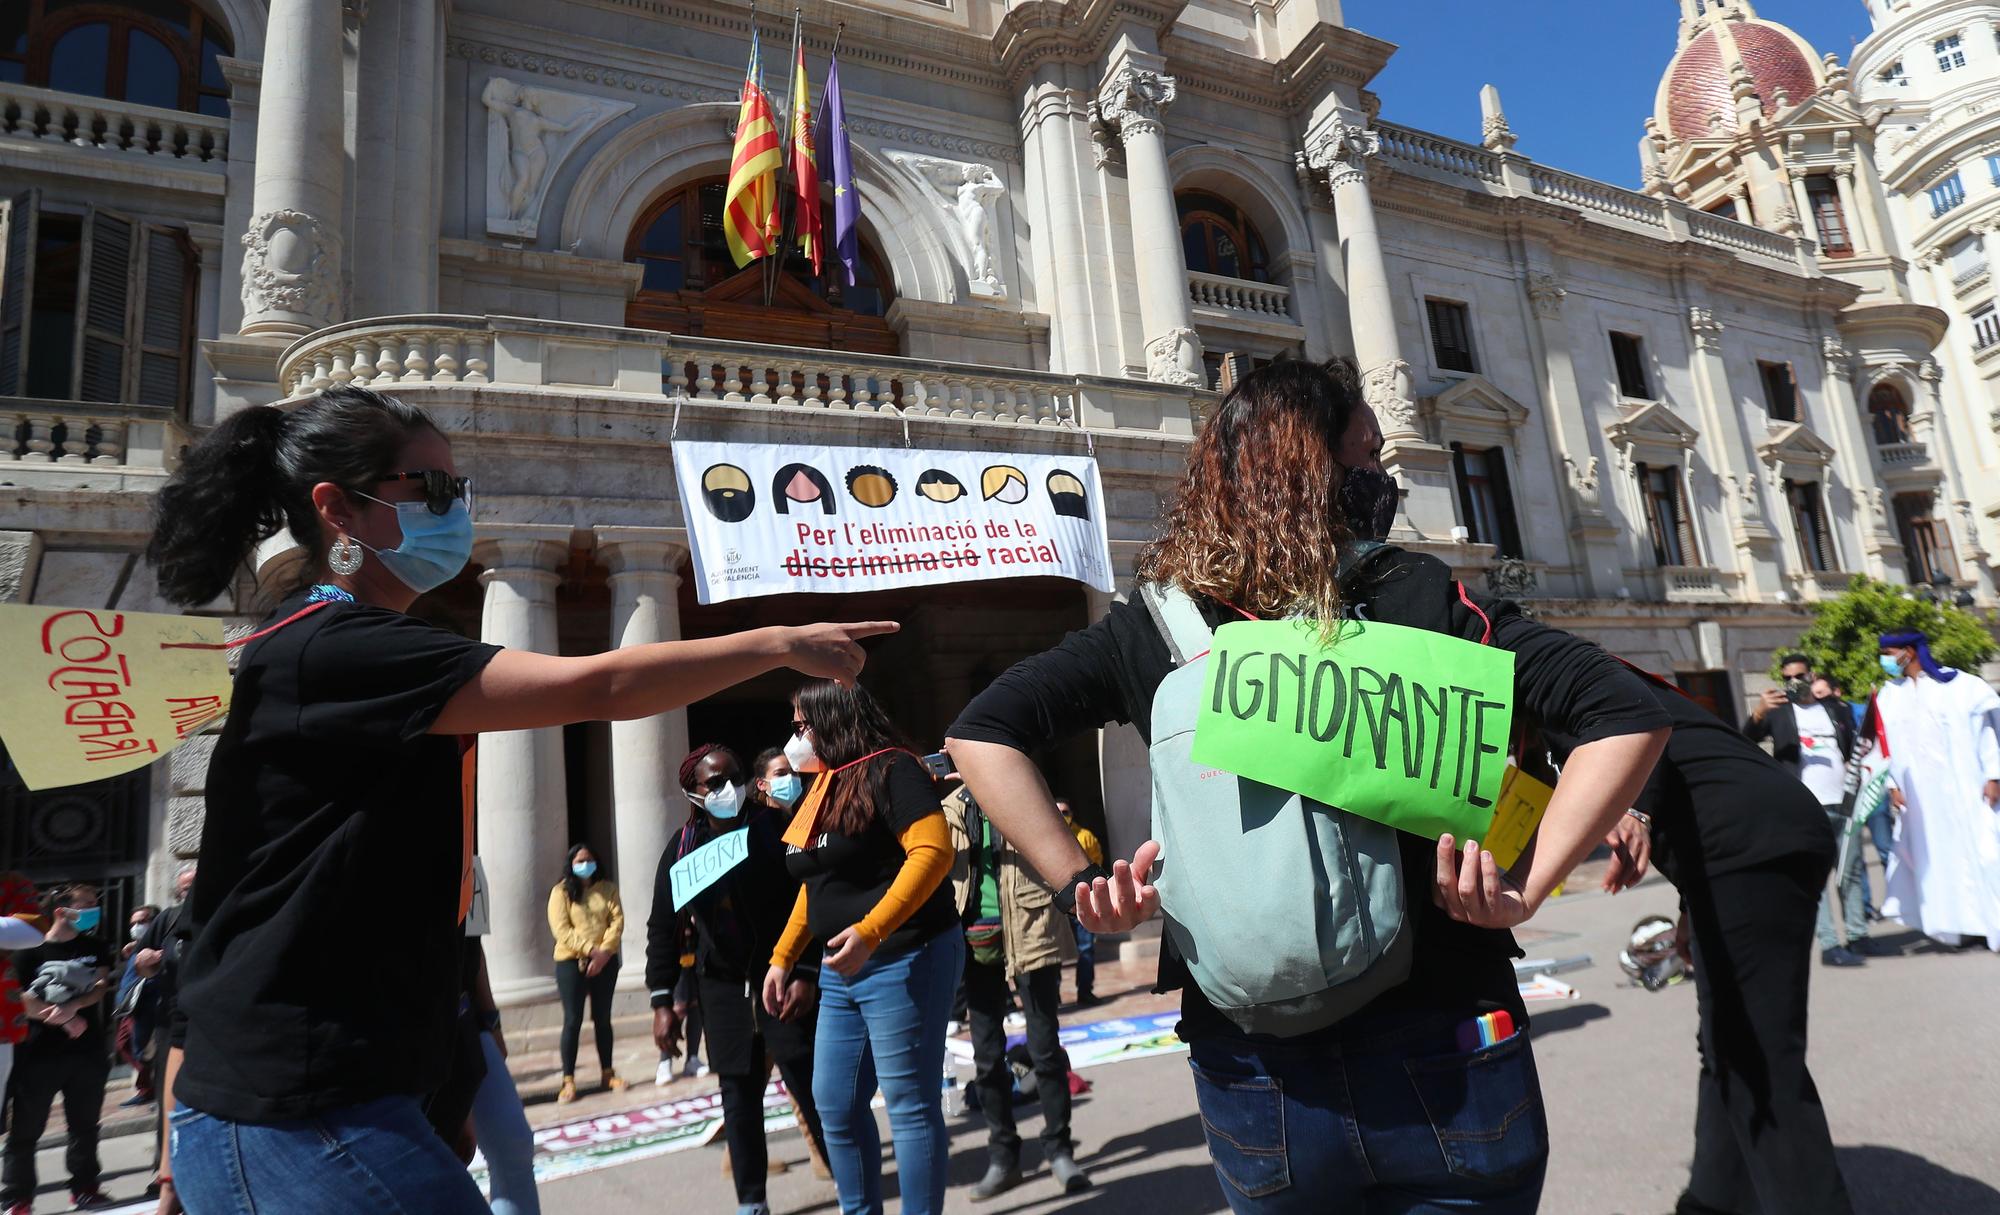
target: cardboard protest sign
1400 725
1517 815
703 867
89 694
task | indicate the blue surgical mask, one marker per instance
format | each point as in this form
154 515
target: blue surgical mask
584 869
1890 666
787 789
434 548
86 920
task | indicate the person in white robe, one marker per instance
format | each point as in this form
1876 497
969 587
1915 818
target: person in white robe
1940 731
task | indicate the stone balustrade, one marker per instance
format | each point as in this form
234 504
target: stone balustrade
1686 583
393 353
1423 154
35 431
1259 301
119 126
1895 454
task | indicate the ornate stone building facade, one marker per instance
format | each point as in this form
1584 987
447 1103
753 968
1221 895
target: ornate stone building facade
1080 219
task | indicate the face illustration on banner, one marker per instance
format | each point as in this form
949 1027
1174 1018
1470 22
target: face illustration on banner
940 486
1066 494
803 484
726 489
1005 483
871 485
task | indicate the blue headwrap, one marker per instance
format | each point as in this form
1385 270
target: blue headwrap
1912 637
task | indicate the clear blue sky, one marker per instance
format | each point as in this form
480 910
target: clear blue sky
1577 76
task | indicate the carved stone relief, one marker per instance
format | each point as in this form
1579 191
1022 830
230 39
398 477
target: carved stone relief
289 265
969 194
1387 391
1172 358
529 132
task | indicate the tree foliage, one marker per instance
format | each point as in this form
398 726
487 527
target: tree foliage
1845 635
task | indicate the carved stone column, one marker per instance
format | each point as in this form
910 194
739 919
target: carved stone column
523 798
1048 121
1860 216
1758 554
1340 151
1937 433
1130 103
1879 551
647 807
292 250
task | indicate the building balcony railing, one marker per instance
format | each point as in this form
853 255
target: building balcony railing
1692 583
34 431
1895 455
1423 154
1971 280
498 352
120 126
1241 297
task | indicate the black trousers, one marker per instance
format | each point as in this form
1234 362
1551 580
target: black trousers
1761 1144
743 1113
78 1075
572 987
986 1008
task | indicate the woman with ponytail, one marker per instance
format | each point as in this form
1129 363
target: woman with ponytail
305 1048
871 845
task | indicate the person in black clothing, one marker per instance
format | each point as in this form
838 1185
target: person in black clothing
737 922
158 958
314 1012
1280 514
1746 845
67 1052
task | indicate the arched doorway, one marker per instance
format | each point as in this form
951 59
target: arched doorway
692 286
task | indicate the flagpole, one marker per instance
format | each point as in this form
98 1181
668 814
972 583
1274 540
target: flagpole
787 212
819 136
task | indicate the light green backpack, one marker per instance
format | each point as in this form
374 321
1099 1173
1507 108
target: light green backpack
1288 912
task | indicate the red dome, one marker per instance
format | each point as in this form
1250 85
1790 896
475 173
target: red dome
1698 83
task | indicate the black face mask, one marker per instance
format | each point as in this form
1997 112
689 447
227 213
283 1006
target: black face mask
1369 497
1799 691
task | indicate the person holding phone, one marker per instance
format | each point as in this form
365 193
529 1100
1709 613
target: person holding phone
871 846
736 921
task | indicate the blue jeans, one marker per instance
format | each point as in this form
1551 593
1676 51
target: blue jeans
1881 829
887 1024
505 1139
1399 1123
1853 891
1086 960
381 1157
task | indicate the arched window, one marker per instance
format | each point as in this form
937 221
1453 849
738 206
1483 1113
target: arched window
1219 239
691 284
160 53
1891 414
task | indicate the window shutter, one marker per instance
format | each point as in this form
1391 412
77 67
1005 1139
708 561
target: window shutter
1464 484
103 308
17 285
1684 520
166 299
1829 556
1509 539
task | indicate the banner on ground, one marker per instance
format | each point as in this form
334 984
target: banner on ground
1401 725
770 519
86 694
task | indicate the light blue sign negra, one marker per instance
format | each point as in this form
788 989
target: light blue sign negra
700 869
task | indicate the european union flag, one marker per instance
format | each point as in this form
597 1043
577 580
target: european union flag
846 203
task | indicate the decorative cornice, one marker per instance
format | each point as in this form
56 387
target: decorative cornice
646 84
1035 32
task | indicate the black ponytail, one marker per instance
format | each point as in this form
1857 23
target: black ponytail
253 475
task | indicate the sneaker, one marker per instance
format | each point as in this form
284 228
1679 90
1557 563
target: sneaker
754 1208
1841 956
664 1075
1089 999
136 1099
694 1071
1869 947
92 1199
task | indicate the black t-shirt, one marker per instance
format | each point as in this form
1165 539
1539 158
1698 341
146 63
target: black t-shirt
1110 671
44 1039
846 875
1719 803
322 963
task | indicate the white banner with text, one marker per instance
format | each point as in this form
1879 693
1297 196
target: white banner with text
764 519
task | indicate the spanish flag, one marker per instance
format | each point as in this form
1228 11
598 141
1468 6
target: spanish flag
750 205
805 164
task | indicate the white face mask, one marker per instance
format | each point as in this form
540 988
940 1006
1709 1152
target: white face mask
724 803
138 930
799 754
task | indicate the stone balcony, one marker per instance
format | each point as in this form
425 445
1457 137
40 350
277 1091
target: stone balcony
70 444
44 129
660 373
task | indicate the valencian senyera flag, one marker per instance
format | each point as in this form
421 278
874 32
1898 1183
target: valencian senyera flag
750 205
804 163
846 203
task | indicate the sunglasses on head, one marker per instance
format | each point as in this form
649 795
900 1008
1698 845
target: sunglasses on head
441 489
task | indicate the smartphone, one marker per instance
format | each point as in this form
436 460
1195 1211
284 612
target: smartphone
940 764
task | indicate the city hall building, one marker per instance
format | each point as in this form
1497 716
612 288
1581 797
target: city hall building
1667 418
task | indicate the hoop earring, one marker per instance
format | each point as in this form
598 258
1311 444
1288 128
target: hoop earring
344 557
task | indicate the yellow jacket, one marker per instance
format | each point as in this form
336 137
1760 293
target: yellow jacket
582 929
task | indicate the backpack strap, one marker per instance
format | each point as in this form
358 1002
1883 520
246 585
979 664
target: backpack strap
1180 622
